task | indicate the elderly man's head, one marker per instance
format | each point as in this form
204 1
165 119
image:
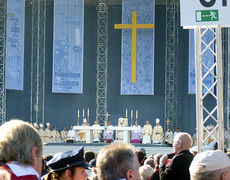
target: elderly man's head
20 141
117 161
210 165
182 141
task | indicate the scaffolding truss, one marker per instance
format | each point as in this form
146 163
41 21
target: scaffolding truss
37 100
102 61
171 63
210 123
3 19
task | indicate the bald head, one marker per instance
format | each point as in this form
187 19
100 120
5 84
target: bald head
182 141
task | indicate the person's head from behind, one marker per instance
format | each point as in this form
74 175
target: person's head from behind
20 142
210 165
117 161
146 172
182 141
157 159
69 165
89 155
141 156
150 161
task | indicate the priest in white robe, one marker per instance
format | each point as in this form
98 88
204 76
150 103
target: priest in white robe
109 133
42 133
169 136
48 134
96 132
158 134
147 132
136 135
72 135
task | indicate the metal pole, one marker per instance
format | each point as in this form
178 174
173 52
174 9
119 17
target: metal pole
219 89
199 109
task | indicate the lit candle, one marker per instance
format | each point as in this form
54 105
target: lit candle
83 113
88 113
126 113
136 114
131 113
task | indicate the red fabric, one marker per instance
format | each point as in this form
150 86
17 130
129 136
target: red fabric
14 177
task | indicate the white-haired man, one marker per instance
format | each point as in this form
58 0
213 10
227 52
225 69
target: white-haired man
178 167
117 161
210 165
20 150
42 133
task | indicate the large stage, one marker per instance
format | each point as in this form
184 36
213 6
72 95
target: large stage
53 148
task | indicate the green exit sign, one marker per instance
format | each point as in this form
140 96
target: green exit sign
207 15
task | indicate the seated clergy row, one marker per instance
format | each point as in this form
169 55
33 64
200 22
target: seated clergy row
144 135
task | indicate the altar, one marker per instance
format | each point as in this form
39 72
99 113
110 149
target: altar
89 132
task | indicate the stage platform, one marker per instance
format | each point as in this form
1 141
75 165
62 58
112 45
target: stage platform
53 148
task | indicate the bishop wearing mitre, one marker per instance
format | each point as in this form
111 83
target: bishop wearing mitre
158 134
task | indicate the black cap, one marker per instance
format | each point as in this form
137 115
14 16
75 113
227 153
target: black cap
72 158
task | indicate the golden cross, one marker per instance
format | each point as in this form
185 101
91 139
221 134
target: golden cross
134 26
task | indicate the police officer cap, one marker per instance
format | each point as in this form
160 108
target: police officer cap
72 158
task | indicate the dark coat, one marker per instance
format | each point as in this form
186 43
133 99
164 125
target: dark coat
178 167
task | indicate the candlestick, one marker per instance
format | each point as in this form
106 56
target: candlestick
136 114
131 113
88 113
83 113
78 113
126 113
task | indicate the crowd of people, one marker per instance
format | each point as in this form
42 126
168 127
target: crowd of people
21 157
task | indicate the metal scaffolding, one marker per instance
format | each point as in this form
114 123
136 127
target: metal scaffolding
102 61
37 100
171 62
207 114
3 19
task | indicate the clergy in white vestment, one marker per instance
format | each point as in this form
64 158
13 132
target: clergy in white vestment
109 133
82 132
36 126
158 133
122 122
147 132
169 136
48 134
64 134
72 135
136 135
177 132
56 135
42 133
96 132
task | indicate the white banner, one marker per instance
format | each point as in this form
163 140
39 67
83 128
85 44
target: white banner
15 44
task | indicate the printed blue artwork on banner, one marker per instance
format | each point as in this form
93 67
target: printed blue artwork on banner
144 84
68 46
207 59
15 44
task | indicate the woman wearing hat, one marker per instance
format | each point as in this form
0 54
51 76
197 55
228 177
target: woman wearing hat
69 165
